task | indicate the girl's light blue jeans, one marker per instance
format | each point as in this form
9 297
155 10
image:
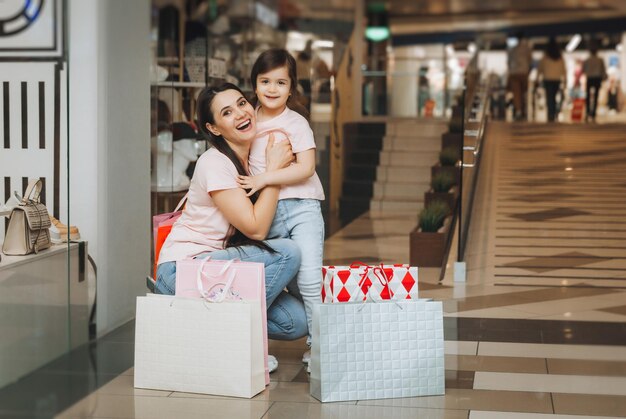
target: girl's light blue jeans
286 319
301 221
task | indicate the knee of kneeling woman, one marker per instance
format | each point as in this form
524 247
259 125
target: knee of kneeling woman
287 320
166 278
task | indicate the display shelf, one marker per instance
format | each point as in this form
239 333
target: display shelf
178 84
44 307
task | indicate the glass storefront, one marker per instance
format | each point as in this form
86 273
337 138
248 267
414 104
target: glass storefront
45 301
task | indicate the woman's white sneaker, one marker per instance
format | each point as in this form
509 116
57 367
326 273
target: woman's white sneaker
272 363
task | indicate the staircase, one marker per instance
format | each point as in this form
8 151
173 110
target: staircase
409 149
361 152
387 165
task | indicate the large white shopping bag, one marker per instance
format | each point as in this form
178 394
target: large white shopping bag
352 283
192 345
203 278
377 350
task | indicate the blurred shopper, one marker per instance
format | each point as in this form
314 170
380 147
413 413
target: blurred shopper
519 61
552 71
310 68
595 71
614 96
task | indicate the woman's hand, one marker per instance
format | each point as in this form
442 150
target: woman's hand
253 183
278 155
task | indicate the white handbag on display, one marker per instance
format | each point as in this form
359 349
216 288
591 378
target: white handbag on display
29 224
192 345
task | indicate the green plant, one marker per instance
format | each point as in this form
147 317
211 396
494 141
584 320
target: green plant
448 156
431 217
442 182
455 126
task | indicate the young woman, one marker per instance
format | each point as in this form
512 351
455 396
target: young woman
298 215
595 70
221 222
552 71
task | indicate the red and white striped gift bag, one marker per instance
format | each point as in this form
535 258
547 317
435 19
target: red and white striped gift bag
352 283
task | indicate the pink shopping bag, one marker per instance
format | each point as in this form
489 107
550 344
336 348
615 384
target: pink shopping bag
161 228
201 278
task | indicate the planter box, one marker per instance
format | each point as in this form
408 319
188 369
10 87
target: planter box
452 139
447 197
454 171
427 249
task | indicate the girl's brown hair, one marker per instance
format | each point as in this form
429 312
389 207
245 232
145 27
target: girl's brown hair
270 60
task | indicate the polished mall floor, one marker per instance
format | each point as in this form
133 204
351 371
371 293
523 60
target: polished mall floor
537 331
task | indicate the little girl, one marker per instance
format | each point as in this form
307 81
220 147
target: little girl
298 215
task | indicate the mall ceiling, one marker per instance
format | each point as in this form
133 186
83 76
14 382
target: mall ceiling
423 16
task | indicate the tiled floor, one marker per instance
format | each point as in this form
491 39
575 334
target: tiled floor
537 331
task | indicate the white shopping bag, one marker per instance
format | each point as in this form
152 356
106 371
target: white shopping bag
377 350
192 345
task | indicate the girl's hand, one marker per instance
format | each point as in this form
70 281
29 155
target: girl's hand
279 155
253 183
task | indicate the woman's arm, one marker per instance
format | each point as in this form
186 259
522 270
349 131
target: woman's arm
254 220
301 170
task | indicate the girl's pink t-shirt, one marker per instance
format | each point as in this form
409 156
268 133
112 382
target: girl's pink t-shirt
291 126
202 227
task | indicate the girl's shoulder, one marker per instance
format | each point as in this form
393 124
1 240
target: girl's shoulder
294 118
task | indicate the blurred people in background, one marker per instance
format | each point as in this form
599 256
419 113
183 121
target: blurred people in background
614 96
595 71
310 68
552 72
519 61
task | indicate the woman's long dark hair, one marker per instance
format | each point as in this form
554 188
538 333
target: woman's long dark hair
270 60
234 237
552 49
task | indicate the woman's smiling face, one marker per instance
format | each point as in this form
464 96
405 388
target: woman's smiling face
234 117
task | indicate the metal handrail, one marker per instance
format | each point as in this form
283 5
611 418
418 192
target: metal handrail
465 205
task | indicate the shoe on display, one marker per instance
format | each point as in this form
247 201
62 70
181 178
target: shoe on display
272 363
306 357
59 231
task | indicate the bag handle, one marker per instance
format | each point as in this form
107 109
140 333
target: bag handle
34 185
379 274
182 202
221 295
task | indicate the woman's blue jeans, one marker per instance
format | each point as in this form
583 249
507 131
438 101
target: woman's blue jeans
286 319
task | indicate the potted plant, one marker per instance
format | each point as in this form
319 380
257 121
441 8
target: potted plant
454 136
449 162
442 188
428 240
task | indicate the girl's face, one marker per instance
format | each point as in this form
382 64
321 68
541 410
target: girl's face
234 117
273 89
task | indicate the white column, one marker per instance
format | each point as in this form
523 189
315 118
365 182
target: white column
403 80
110 147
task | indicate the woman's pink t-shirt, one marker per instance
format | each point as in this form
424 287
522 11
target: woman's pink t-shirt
202 227
298 131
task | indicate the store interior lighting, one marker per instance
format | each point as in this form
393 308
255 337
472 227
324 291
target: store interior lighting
573 43
320 43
